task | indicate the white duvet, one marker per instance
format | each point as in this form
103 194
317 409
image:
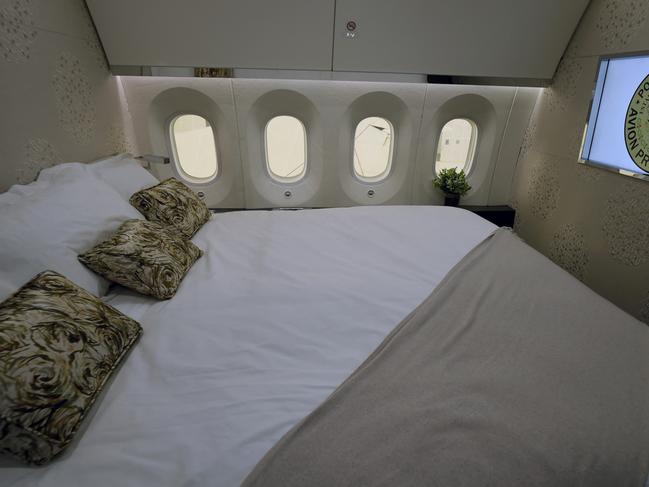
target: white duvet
282 307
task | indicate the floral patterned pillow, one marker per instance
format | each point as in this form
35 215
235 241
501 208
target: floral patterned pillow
59 345
145 257
174 204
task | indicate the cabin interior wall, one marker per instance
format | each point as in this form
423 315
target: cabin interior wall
58 100
330 110
592 222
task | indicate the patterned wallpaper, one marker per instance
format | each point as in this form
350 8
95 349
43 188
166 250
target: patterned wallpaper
593 223
58 101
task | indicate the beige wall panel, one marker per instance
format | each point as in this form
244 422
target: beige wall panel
489 108
153 102
523 104
58 100
612 27
338 106
592 222
563 108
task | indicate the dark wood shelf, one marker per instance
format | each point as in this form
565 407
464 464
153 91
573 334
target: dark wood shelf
503 216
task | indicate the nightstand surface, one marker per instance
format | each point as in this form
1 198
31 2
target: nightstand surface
503 216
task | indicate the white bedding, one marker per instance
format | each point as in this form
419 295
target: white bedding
280 310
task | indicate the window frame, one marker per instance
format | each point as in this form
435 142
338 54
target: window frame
473 145
388 170
269 172
171 141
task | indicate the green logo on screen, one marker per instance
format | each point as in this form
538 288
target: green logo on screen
636 126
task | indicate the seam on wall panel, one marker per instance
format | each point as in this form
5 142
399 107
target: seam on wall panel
414 177
580 23
527 126
500 146
127 117
236 126
79 37
64 34
333 36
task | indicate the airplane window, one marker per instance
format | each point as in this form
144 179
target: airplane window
373 146
456 145
286 149
194 148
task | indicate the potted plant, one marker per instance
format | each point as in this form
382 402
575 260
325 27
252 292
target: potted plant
453 183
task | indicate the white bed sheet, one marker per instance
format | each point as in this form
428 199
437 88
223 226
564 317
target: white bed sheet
280 310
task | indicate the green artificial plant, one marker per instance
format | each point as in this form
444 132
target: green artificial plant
452 181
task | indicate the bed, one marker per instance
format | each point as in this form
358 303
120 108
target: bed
282 308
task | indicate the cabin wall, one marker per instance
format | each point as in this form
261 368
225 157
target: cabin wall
592 222
238 110
58 100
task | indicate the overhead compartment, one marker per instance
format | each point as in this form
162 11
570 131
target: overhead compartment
484 38
490 39
275 34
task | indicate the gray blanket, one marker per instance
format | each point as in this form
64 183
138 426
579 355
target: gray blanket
511 373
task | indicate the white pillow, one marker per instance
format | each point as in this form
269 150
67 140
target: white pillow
123 173
35 186
69 169
49 227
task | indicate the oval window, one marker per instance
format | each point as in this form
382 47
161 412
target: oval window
456 145
194 148
286 149
373 142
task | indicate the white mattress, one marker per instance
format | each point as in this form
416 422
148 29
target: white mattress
280 310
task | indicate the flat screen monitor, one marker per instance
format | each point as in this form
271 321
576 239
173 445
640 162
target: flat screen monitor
617 134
